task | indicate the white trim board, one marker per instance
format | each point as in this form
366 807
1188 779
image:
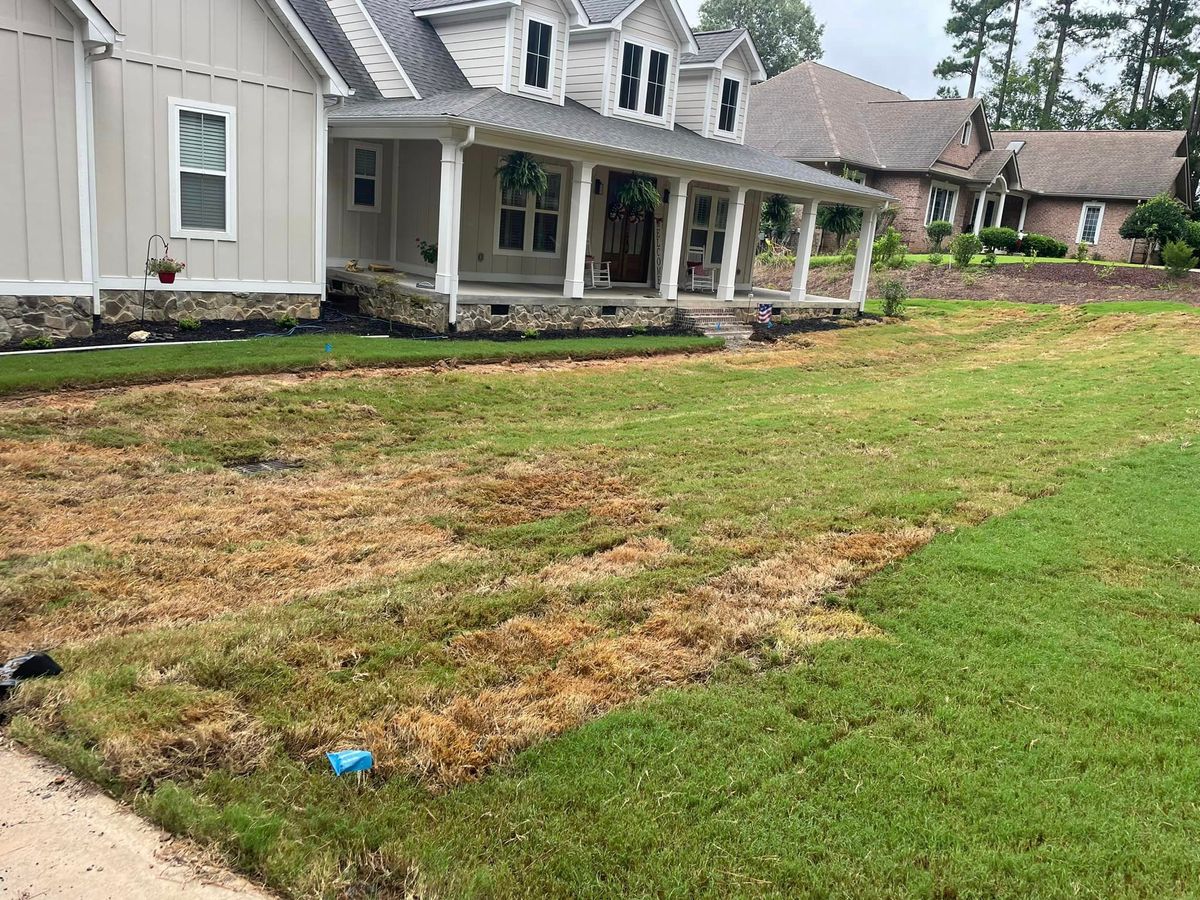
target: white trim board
46 288
198 285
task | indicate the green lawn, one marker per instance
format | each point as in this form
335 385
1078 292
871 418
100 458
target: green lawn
96 368
613 631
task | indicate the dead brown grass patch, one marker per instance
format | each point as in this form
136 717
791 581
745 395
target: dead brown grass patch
621 561
777 604
186 546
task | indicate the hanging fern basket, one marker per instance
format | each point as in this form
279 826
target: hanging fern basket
639 196
520 173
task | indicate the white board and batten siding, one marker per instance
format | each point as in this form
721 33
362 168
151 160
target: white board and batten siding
376 58
479 46
41 233
231 53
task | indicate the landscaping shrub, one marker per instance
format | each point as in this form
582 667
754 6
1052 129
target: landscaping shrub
937 231
936 259
1193 236
1178 259
989 259
286 323
1160 220
894 294
1081 252
37 343
848 252
999 239
889 250
1043 246
188 323
963 248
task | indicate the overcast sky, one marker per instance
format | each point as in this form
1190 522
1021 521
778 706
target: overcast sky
895 44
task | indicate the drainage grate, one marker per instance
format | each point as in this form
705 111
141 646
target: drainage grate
261 466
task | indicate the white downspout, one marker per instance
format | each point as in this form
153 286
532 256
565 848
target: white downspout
452 315
89 136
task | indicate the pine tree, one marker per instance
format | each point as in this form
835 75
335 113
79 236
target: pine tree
1006 69
975 26
1068 25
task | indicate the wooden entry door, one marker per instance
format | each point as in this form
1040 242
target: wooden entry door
626 237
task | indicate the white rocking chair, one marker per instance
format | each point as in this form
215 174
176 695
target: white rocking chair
599 274
700 279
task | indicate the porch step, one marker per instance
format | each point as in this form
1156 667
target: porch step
726 324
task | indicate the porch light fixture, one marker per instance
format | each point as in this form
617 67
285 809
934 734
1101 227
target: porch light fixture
666 196
599 187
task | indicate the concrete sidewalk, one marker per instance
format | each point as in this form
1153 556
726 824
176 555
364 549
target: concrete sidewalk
60 837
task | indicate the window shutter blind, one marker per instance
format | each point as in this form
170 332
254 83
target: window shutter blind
201 141
202 201
364 162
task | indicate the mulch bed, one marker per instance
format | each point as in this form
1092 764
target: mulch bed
1058 283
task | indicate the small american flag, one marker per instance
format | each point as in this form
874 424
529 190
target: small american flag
764 313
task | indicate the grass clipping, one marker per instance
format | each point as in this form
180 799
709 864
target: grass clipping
774 605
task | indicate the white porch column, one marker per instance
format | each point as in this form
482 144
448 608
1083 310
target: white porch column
1000 207
1024 209
804 244
733 245
980 206
577 230
673 238
862 260
449 213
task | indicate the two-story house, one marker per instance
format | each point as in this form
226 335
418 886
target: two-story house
270 142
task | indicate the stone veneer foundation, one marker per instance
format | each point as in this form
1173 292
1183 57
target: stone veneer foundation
117 307
24 317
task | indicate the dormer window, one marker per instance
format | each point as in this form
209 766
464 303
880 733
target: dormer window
731 88
539 56
966 133
644 73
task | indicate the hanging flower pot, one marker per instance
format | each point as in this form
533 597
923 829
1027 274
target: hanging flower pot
165 268
639 195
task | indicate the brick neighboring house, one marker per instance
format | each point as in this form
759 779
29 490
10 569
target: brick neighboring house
941 160
1082 185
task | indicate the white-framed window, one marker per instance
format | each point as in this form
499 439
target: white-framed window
706 232
203 176
645 74
539 57
731 90
1091 217
530 223
364 162
943 201
966 133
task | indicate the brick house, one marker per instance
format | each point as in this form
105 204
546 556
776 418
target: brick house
941 160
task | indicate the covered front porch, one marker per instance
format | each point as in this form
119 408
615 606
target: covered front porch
400 196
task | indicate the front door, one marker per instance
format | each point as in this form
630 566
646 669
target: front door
989 213
626 237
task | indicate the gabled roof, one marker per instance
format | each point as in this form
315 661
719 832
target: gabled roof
1133 165
101 29
910 135
324 27
714 47
425 59
813 112
577 125
600 11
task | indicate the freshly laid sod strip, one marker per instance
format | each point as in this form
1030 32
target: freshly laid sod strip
98 368
593 622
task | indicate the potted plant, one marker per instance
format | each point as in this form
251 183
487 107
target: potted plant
165 268
638 196
520 173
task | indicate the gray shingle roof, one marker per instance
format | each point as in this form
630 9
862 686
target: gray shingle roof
813 112
712 44
575 123
1099 164
417 46
911 134
599 11
320 21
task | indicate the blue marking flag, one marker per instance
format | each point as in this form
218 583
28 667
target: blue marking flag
344 761
329 348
